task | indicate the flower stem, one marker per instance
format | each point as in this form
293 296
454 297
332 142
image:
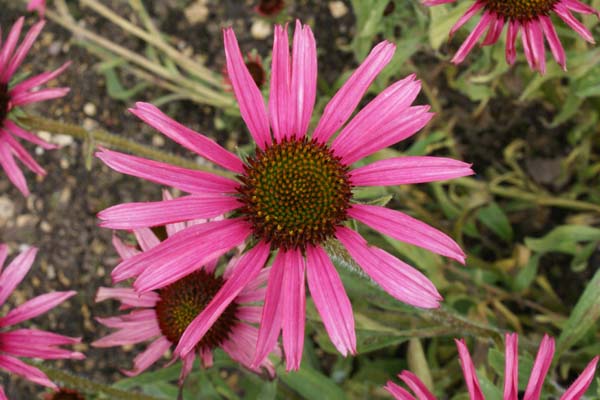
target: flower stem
85 385
114 141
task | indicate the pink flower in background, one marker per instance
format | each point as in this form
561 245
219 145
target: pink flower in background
292 196
39 5
160 317
531 17
542 363
12 95
31 343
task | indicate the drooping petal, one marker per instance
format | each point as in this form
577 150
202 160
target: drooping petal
23 156
399 392
9 46
272 312
34 307
145 238
472 39
304 78
511 39
38 80
468 369
416 385
579 387
294 309
397 278
16 366
552 37
252 105
38 344
478 5
22 50
241 349
124 250
15 272
25 98
246 270
185 252
280 111
408 170
181 178
330 299
494 31
127 296
407 229
188 138
542 363
511 367
146 214
343 103
30 137
564 14
13 172
149 356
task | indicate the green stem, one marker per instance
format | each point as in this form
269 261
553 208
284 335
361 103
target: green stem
114 141
85 385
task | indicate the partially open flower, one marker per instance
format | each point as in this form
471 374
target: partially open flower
542 363
531 17
160 317
12 95
31 343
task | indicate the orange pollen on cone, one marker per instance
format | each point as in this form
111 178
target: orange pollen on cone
182 301
295 193
522 10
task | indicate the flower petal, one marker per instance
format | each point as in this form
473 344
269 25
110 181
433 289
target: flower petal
398 392
542 363
304 78
408 170
34 307
469 371
511 368
9 46
580 386
22 50
38 344
407 229
280 112
330 299
416 385
149 356
294 309
7 162
16 366
15 272
127 296
188 138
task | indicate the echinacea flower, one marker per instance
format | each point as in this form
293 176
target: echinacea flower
161 316
38 5
12 95
542 363
532 17
291 196
32 343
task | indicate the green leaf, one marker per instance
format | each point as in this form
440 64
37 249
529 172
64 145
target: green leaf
584 315
311 384
564 239
494 218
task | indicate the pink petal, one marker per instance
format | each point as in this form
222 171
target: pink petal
2 394
398 392
494 31
407 229
478 5
139 327
149 356
127 296
39 5
23 156
188 363
34 307
511 38
272 312
23 134
181 178
22 51
407 170
241 346
304 78
136 215
415 384
400 280
402 126
379 112
39 80
252 105
472 39
543 359
469 371
15 272
294 308
146 238
555 46
511 369
580 7
9 46
330 299
16 366
249 314
125 251
186 252
341 106
7 162
280 111
580 386
206 356
25 98
38 344
564 13
248 267
188 138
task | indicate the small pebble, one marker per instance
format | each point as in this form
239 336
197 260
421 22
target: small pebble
261 29
90 109
337 9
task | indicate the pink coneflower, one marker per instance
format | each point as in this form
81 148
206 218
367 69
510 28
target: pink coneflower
14 95
292 196
542 363
161 316
530 16
38 5
31 343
